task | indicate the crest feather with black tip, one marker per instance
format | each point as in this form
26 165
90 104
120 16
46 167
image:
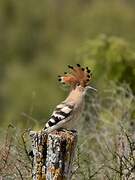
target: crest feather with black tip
77 75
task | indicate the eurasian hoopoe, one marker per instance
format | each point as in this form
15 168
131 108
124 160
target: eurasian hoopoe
70 109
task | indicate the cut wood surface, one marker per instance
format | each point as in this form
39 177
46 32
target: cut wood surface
53 154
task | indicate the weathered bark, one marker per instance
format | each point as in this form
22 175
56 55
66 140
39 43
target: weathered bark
53 154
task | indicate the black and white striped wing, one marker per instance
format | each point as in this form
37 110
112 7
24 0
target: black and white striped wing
60 116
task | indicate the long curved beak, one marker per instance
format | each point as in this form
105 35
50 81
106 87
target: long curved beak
92 88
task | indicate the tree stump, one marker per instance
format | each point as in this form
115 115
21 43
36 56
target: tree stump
53 154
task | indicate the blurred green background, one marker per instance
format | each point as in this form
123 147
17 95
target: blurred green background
38 39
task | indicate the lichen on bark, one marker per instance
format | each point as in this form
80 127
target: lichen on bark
53 154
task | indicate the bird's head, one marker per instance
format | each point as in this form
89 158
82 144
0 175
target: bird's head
78 78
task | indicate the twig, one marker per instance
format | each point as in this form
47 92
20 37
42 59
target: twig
7 146
96 172
19 172
24 144
113 169
78 162
29 117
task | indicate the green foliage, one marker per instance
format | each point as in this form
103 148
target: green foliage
38 40
110 58
108 118
107 123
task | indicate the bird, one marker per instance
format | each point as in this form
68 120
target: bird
70 110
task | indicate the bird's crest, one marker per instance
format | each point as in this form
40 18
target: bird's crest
77 76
